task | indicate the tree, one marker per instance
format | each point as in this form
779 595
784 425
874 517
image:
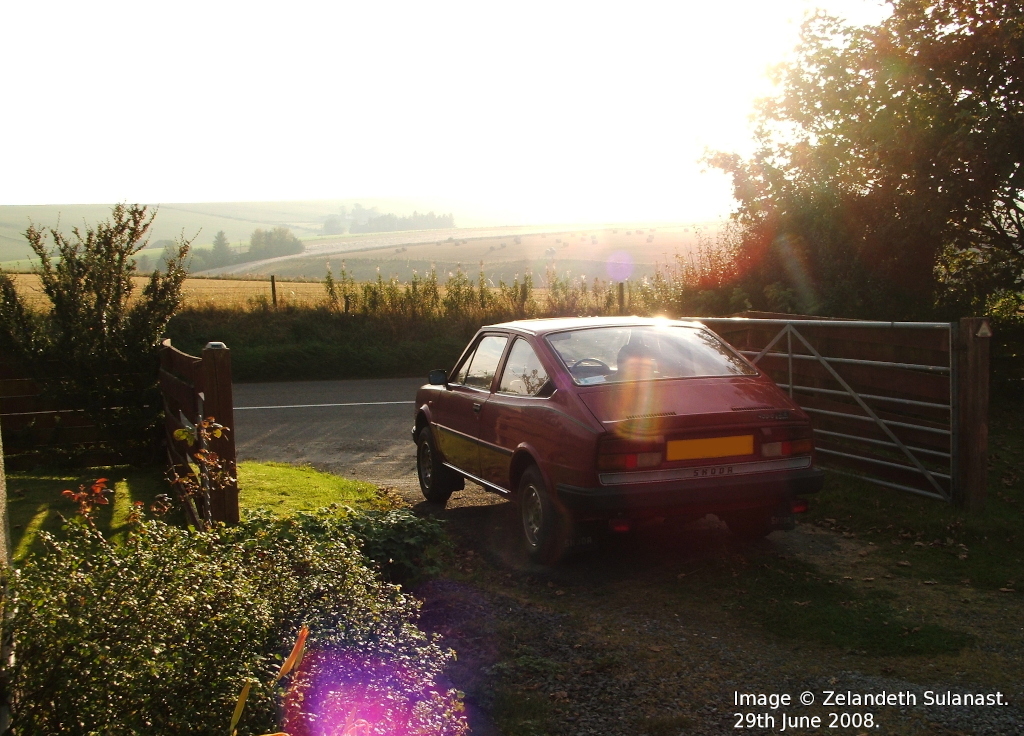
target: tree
334 225
95 346
273 243
220 254
888 174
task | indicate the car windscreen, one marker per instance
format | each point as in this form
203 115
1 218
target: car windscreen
644 352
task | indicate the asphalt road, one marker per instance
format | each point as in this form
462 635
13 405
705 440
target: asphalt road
358 429
366 437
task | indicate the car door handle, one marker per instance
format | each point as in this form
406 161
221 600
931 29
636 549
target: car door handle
477 406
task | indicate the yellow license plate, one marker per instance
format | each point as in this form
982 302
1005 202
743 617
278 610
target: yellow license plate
710 447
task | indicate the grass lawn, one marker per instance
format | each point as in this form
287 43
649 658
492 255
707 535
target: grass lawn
285 489
35 502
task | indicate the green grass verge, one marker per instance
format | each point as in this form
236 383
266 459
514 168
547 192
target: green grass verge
35 502
285 489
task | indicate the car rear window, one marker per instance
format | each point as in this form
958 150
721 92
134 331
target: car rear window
645 352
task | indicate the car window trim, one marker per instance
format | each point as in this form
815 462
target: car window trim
467 355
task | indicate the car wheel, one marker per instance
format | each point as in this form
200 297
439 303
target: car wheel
750 525
546 529
437 481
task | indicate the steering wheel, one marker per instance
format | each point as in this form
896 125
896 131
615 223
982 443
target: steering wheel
584 362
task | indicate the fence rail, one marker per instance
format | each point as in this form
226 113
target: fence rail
195 389
900 404
37 430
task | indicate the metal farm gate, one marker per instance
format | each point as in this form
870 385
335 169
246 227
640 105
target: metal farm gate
900 404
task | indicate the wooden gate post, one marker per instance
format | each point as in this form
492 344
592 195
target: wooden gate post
218 403
972 341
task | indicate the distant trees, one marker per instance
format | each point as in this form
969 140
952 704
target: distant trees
334 225
262 244
273 243
369 220
889 174
390 222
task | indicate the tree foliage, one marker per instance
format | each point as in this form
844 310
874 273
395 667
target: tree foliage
95 344
888 174
390 222
221 253
272 243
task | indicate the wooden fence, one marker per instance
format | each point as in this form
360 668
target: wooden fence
900 404
195 389
36 430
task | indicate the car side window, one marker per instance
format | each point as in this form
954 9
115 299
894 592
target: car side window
485 360
523 375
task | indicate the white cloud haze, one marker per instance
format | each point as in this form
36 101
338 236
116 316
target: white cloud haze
530 111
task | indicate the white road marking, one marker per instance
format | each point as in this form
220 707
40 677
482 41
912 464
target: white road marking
310 406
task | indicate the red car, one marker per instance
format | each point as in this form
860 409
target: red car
610 420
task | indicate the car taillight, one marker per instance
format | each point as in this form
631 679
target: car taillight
614 453
786 448
629 461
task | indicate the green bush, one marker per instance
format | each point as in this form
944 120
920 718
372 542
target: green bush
158 635
94 348
404 546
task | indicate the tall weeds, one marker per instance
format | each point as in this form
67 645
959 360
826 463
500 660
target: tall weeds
388 328
699 283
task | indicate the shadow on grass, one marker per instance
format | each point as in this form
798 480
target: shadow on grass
35 503
795 601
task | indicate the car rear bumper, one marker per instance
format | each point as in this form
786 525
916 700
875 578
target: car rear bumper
696 496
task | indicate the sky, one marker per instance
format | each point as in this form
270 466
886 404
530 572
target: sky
517 112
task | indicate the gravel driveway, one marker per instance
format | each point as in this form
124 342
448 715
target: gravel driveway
619 640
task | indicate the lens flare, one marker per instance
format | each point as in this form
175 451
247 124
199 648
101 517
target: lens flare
619 265
793 260
349 693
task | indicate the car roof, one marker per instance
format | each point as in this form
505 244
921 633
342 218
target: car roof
558 324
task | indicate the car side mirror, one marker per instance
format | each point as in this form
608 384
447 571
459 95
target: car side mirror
546 390
438 377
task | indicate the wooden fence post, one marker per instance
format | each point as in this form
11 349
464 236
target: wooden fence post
972 379
218 403
273 290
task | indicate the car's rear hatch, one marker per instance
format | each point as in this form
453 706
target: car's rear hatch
658 429
656 407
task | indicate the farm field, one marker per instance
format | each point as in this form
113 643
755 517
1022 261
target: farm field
200 220
224 293
607 252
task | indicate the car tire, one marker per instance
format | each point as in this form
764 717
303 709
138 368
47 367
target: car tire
437 481
546 528
750 525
